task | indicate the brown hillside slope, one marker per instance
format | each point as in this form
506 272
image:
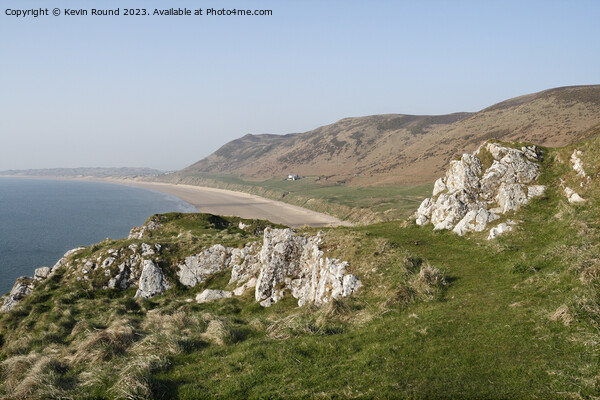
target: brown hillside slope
406 149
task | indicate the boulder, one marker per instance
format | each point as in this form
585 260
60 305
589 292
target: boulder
572 196
197 268
474 221
41 273
498 230
65 258
212 295
152 281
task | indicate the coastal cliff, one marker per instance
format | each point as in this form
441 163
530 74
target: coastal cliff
197 305
285 263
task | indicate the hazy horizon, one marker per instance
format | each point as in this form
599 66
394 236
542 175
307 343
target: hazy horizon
164 92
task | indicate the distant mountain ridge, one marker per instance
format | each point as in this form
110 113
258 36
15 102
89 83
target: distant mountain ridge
406 149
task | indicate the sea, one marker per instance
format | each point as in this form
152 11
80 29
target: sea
40 219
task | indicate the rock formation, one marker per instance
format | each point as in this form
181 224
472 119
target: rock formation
284 264
296 265
152 281
23 286
472 196
142 232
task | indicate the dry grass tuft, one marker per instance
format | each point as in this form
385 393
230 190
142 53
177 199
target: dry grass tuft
33 376
20 345
135 378
219 332
82 326
104 344
424 286
562 314
288 327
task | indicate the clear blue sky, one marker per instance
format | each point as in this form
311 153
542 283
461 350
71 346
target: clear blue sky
164 92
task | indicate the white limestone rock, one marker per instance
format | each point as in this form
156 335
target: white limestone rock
152 281
296 265
469 197
511 196
147 250
572 196
198 267
142 232
108 262
424 211
498 230
41 273
22 287
463 174
578 164
245 263
474 221
439 186
535 191
65 258
447 211
209 295
251 283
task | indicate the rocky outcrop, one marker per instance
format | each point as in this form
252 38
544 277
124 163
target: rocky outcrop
296 265
41 273
142 231
285 264
578 166
197 268
22 287
63 260
471 196
152 281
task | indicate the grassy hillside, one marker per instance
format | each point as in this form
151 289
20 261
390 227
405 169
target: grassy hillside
439 316
405 149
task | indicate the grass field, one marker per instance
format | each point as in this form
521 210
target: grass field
356 204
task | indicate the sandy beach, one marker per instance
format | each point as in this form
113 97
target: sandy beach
224 202
227 202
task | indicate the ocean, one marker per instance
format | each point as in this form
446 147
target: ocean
41 219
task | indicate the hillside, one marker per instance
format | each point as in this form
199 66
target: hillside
435 315
405 149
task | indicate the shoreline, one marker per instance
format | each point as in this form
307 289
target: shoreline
223 202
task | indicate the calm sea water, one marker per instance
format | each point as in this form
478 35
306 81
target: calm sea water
41 219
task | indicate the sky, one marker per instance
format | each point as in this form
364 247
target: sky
165 91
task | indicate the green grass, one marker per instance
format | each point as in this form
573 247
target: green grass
357 204
493 331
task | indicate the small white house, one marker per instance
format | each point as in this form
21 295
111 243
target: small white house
293 177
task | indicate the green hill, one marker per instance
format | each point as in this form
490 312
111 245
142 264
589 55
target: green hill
438 315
